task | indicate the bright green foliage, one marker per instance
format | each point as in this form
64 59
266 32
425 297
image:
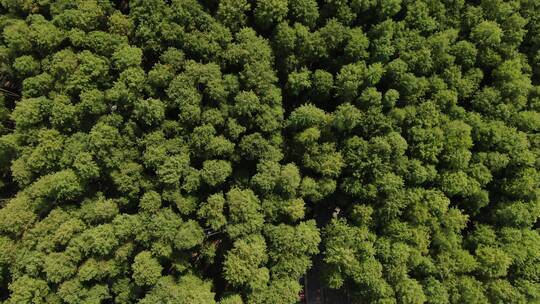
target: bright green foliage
146 269
188 290
215 172
212 211
150 202
244 212
242 263
127 56
199 152
290 248
28 290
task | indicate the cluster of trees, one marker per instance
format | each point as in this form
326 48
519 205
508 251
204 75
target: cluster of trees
190 151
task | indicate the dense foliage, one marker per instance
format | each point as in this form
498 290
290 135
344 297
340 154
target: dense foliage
188 151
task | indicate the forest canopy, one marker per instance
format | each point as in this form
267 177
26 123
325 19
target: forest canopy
199 151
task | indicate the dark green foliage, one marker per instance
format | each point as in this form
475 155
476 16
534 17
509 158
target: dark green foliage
194 151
